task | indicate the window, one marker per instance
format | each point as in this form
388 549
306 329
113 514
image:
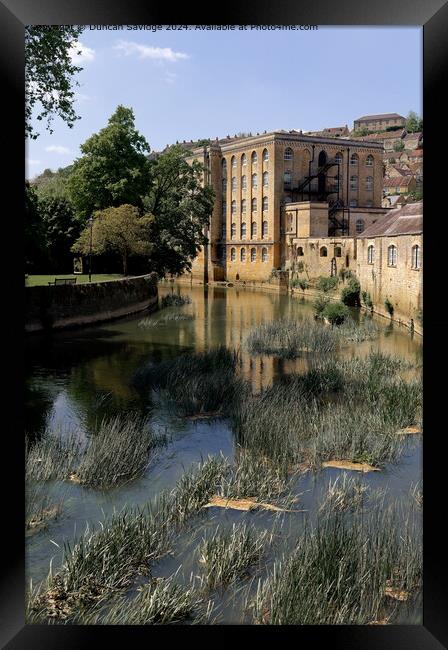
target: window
243 182
287 177
243 206
265 179
323 251
243 230
392 256
233 183
353 159
224 166
264 229
233 230
300 251
264 254
353 182
288 154
337 251
223 231
233 254
353 203
243 254
254 158
370 254
223 208
359 226
265 203
253 255
369 183
265 155
254 181
243 160
369 204
253 229
338 158
369 161
233 162
415 257
233 207
289 224
224 185
254 205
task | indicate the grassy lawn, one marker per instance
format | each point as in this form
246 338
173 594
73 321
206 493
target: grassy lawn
36 280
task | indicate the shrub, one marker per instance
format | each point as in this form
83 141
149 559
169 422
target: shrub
335 312
350 293
367 299
301 283
389 307
326 283
319 304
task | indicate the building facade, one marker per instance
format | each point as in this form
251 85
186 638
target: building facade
378 122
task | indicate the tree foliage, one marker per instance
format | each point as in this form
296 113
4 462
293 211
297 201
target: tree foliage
49 72
114 168
414 123
120 230
34 231
61 229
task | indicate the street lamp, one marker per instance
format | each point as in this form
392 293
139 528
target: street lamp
90 250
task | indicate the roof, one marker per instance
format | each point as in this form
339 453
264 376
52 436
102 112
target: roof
413 136
407 220
382 116
384 135
416 153
398 181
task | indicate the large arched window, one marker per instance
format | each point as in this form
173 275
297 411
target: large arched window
224 185
265 179
371 254
253 254
369 183
243 230
264 254
323 251
265 203
233 230
415 257
265 155
254 158
233 183
369 161
354 159
353 182
392 256
233 207
253 229
243 182
254 181
359 226
264 229
254 205
287 178
243 206
233 162
243 255
288 155
337 251
243 160
233 254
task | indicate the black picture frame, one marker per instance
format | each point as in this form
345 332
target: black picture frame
433 16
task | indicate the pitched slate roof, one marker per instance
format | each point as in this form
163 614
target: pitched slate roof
407 220
382 116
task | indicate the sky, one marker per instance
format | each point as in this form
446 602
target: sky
193 84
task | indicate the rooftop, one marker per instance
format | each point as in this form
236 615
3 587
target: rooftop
382 116
407 220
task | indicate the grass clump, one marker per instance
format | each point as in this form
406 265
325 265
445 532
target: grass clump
40 509
325 283
174 300
51 457
148 323
367 330
289 338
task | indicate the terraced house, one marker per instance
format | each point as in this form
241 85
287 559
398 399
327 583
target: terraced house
276 187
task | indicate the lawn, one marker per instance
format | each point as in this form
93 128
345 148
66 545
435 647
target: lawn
36 280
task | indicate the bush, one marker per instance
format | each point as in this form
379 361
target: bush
335 312
367 299
300 283
174 300
326 283
350 293
319 304
389 307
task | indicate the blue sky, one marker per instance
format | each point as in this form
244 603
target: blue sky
185 85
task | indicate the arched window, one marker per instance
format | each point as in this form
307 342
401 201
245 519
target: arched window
254 158
243 230
233 183
338 158
243 160
243 182
253 254
288 155
265 179
264 229
289 225
243 206
370 254
265 155
415 257
254 181
223 233
233 254
369 161
224 185
353 159
264 254
233 162
323 251
253 229
359 226
337 251
223 208
369 183
265 203
243 254
353 203
299 251
224 166
353 182
233 230
233 207
287 178
392 256
254 205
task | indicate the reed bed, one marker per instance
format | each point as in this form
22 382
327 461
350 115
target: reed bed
345 493
40 508
288 338
174 300
148 323
353 571
51 457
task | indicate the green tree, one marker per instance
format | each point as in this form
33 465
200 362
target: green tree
61 229
180 208
114 168
49 72
414 123
53 184
34 232
399 145
118 229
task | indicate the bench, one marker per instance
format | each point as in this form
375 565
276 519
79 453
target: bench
63 281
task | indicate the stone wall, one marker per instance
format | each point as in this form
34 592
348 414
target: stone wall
63 306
